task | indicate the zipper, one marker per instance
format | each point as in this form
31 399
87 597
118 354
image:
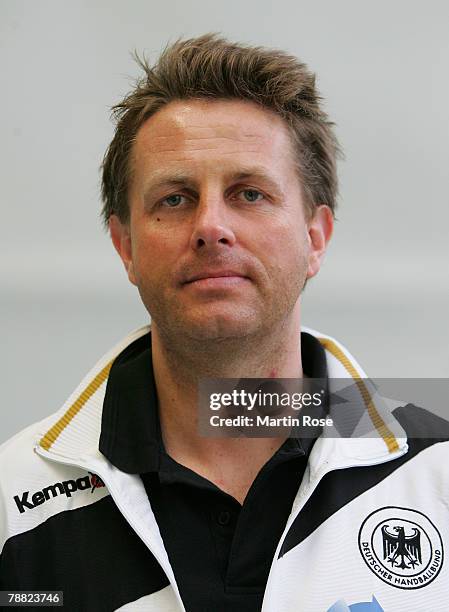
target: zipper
162 562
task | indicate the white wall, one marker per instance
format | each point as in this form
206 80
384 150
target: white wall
382 68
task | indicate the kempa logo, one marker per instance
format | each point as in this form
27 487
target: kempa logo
67 487
402 547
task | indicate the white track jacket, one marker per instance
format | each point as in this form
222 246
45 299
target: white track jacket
368 530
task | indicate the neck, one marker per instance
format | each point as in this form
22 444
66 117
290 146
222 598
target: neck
180 363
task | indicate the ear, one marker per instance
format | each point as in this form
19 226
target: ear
320 229
121 239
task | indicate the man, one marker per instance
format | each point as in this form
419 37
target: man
219 191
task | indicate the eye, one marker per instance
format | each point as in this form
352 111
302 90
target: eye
252 195
173 200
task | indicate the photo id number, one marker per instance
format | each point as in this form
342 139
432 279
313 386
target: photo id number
31 598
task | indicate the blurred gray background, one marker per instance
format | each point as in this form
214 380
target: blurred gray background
382 68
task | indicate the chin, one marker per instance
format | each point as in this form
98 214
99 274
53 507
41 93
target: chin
221 327
207 322
219 331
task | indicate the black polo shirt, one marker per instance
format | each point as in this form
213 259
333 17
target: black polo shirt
220 551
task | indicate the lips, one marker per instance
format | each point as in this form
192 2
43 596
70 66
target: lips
212 274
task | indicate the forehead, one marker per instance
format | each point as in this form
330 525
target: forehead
203 130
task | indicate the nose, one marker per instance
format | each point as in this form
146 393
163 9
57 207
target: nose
212 228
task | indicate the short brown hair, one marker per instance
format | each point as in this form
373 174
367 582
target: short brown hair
212 67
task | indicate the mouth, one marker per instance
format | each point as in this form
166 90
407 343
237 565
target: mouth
216 279
214 274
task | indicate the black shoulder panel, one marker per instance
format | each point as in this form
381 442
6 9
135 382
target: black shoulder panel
340 487
91 554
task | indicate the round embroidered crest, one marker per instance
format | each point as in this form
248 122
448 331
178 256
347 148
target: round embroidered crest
402 547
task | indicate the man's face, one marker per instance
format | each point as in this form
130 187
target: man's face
217 241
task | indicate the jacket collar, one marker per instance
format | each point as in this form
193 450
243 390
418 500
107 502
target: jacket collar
131 436
75 433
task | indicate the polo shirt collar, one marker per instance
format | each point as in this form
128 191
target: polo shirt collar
131 437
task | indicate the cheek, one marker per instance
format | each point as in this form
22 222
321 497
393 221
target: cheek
155 255
285 249
147 258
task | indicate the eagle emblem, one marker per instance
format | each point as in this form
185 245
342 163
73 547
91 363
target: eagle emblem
402 550
401 546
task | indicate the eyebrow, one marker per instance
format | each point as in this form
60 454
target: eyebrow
178 178
164 179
